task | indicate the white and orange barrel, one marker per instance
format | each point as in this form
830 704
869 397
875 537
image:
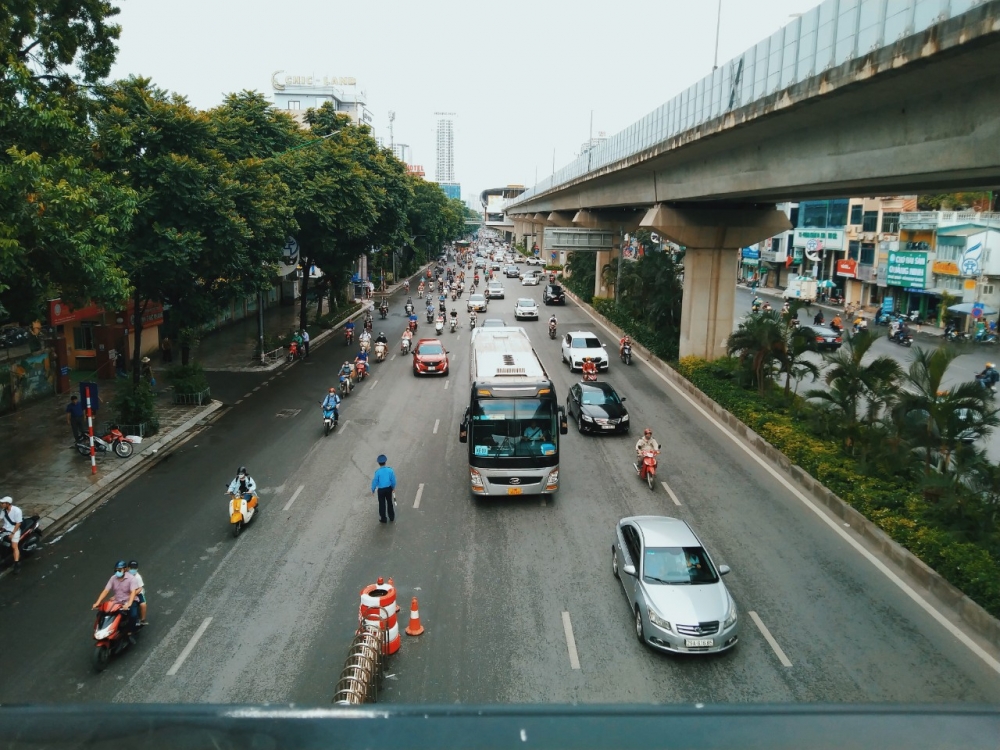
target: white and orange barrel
378 604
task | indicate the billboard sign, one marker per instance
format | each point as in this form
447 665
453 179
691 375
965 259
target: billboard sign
907 269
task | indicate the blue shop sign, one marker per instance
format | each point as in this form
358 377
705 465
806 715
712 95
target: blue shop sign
751 253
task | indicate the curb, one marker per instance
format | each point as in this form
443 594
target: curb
74 508
933 583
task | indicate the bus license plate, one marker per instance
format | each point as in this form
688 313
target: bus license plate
513 490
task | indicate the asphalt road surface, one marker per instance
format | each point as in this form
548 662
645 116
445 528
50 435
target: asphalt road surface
268 617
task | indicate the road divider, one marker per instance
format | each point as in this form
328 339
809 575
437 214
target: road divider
364 668
785 661
189 647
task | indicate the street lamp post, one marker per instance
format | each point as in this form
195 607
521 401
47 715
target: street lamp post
718 26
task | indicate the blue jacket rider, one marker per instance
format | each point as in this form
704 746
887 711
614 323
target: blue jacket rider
332 401
243 484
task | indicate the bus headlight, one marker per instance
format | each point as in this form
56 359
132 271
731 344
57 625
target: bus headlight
476 478
553 480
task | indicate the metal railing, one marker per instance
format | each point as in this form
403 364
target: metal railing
192 399
832 33
361 677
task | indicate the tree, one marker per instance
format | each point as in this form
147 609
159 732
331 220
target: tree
761 340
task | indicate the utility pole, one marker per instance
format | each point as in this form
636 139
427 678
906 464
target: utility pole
718 25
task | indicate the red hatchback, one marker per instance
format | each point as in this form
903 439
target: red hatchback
430 358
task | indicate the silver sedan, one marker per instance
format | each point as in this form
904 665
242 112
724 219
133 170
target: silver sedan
679 602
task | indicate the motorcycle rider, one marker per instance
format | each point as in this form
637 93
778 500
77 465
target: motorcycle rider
756 304
381 338
332 401
553 322
626 339
430 311
383 307
345 371
406 287
409 306
646 443
244 486
123 588
454 317
349 330
589 369
361 358
407 336
366 337
472 319
988 377
140 596
786 308
837 324
11 518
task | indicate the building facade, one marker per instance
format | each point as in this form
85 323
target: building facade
445 172
297 94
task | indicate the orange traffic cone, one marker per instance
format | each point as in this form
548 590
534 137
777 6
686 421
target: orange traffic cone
414 628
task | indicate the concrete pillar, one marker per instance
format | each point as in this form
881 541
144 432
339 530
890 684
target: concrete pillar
707 307
602 258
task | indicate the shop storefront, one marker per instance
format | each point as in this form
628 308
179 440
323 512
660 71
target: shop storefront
906 278
750 265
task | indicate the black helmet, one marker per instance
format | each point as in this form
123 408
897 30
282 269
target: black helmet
133 563
241 470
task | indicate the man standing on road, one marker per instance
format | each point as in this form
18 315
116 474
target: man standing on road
384 482
305 341
10 519
74 418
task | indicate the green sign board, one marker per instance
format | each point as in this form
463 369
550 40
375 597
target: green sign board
907 269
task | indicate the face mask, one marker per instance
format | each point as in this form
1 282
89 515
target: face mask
119 574
133 571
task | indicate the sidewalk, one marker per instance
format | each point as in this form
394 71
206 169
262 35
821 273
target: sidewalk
47 476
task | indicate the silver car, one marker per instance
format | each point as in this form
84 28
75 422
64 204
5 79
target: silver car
678 600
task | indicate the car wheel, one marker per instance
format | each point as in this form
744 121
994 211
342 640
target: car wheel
638 626
614 563
415 373
579 423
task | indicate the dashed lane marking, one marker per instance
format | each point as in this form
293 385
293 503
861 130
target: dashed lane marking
392 357
437 422
446 384
256 389
190 646
420 493
247 395
574 659
294 496
671 493
238 402
770 639
373 386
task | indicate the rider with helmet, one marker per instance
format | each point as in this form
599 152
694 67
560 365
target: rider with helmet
123 589
331 402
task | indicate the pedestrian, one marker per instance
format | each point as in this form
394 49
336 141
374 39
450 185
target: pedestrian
167 350
133 569
384 482
305 341
147 372
74 418
10 519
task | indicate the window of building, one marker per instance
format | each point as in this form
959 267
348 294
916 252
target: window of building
793 216
890 222
987 290
83 337
837 216
949 282
856 210
853 249
293 104
869 222
867 253
776 244
812 214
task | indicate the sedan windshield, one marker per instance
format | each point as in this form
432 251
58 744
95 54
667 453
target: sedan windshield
677 566
526 303
597 397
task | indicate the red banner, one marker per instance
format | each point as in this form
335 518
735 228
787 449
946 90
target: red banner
152 316
60 312
847 268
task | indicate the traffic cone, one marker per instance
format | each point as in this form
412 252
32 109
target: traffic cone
414 628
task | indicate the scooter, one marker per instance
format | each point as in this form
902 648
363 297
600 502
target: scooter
31 541
404 345
113 441
589 373
430 316
903 339
380 351
552 331
330 419
345 385
454 324
366 345
439 325
348 336
383 311
647 469
362 369
454 295
626 354
293 352
241 511
472 321
111 635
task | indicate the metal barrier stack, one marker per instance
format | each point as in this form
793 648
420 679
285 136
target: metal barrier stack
365 666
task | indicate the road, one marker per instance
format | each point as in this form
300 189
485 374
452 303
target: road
276 608
963 369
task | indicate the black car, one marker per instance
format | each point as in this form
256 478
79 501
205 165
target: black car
553 295
597 407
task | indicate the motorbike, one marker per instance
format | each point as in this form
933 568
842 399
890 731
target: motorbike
420 293
383 311
404 345
111 635
330 419
31 541
430 316
439 325
348 336
472 322
442 306
589 373
408 309
454 324
241 511
903 339
647 468
368 324
114 441
626 354
293 352
413 326
345 385
552 331
362 370
454 295
981 380
380 351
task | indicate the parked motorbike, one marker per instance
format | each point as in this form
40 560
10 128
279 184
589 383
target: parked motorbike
626 354
111 635
241 511
647 468
552 330
330 419
31 541
986 338
380 351
114 441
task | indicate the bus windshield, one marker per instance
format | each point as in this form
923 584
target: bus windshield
514 427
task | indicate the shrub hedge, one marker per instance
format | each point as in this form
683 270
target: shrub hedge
896 509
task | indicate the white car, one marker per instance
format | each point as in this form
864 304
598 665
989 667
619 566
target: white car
525 308
494 290
579 344
529 279
535 262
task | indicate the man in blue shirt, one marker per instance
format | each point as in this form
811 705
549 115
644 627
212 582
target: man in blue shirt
385 482
74 418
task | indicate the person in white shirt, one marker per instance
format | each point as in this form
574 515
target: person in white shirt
140 596
11 518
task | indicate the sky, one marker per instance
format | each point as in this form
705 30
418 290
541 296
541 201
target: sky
523 77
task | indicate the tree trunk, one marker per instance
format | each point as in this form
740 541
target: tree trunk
185 354
136 323
306 262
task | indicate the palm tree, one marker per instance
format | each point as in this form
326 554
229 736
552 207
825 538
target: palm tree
762 340
938 420
798 342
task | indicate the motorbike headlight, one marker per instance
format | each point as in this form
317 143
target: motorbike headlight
103 633
658 621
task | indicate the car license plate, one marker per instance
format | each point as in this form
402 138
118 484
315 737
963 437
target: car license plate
608 426
513 490
699 642
431 367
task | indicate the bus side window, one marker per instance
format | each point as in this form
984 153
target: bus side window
463 429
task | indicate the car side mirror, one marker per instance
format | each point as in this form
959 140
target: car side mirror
723 570
563 424
623 399
628 570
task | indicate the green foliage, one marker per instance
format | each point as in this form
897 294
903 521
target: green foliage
134 404
958 539
661 343
980 201
187 379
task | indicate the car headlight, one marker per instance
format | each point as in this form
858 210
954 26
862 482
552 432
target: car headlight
625 418
655 619
585 418
731 617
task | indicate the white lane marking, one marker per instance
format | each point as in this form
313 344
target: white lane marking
271 378
671 493
770 639
446 384
420 493
247 395
190 646
343 425
294 496
436 423
574 659
238 402
959 635
392 357
373 386
256 389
